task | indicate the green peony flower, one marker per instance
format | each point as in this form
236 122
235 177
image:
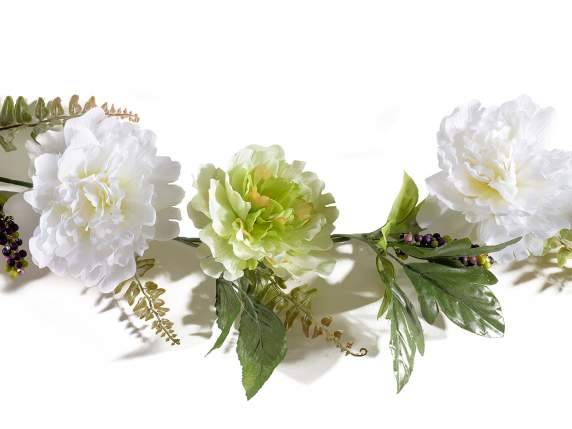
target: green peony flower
263 209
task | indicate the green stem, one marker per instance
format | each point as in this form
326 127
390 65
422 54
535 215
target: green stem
189 241
16 182
370 239
55 119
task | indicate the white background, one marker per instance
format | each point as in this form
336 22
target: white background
357 89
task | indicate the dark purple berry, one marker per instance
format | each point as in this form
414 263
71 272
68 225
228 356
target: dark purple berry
11 262
473 260
464 260
441 241
3 239
427 239
18 264
22 253
19 241
6 251
437 236
418 238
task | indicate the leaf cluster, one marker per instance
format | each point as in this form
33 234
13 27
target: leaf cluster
264 312
147 302
41 115
441 282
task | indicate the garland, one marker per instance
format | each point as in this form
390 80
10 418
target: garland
99 194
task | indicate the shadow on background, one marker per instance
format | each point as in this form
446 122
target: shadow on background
32 274
542 267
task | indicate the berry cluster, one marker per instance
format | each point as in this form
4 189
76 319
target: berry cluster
436 240
427 240
10 243
483 260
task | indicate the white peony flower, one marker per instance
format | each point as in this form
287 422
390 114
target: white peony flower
101 193
497 181
263 209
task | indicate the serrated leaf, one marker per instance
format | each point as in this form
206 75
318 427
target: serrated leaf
406 337
261 344
454 249
386 272
461 293
385 302
228 306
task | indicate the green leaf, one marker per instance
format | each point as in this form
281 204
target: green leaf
405 202
261 344
228 306
406 337
5 196
7 116
6 142
387 274
144 265
401 211
409 224
132 292
453 249
40 109
461 293
563 255
566 234
21 111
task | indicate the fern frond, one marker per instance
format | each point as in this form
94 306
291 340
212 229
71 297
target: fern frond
147 302
40 116
269 289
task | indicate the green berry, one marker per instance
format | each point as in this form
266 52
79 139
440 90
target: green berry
482 260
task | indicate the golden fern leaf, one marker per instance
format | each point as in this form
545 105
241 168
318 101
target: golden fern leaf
269 289
147 302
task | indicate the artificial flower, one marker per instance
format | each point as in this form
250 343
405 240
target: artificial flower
101 193
497 180
263 209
